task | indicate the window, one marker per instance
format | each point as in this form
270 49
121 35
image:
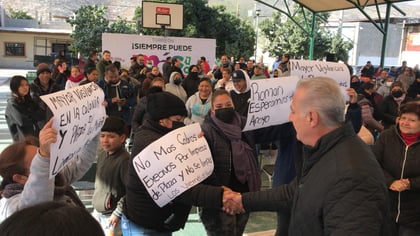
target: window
57 47
15 49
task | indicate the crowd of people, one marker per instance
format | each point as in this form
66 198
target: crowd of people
326 181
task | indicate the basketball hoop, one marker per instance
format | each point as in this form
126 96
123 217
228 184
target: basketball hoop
162 15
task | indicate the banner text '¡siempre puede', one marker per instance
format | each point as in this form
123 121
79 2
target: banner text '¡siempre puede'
163 47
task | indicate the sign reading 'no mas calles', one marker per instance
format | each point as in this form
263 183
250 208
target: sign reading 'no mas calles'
174 163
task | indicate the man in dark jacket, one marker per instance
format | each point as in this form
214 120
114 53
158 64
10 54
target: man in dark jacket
91 62
340 189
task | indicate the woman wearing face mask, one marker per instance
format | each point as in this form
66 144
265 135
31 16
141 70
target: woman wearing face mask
235 162
142 216
385 88
391 104
174 86
355 83
191 82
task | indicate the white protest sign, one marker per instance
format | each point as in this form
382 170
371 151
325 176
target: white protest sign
310 69
270 102
78 117
174 163
157 48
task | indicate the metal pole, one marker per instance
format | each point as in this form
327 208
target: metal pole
384 38
256 37
312 37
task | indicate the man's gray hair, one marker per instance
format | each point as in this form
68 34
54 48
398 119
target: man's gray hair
324 96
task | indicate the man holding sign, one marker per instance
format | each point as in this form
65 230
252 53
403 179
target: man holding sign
144 214
25 171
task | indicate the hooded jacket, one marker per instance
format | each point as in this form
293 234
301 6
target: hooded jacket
241 99
176 90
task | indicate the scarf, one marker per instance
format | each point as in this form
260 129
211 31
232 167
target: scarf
244 161
410 138
77 79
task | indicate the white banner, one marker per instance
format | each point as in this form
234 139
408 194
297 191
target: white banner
157 48
270 102
78 117
174 163
310 69
271 98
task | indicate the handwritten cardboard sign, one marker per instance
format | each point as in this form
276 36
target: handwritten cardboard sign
310 69
270 102
270 98
174 163
78 117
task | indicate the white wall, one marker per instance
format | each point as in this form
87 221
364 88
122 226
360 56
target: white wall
23 62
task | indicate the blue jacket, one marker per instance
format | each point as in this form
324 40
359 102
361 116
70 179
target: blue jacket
125 91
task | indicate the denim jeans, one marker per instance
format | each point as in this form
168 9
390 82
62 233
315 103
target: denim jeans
284 172
131 229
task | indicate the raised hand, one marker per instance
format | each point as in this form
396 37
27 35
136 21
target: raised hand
47 136
352 95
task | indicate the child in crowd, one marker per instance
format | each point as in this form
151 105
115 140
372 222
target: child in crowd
75 78
110 181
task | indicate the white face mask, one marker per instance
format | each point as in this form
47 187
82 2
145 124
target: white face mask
388 84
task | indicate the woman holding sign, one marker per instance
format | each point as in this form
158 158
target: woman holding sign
142 216
235 162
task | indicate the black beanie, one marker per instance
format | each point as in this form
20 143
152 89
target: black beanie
163 105
114 124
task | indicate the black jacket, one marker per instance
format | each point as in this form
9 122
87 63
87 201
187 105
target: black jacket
241 102
89 64
190 84
22 118
389 110
341 190
37 91
221 151
140 207
397 159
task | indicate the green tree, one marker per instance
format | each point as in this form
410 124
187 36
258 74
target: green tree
88 22
287 37
234 36
19 14
340 47
122 26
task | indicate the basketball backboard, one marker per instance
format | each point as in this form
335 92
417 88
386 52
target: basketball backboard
167 15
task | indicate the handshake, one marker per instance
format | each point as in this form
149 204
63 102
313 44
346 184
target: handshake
232 202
